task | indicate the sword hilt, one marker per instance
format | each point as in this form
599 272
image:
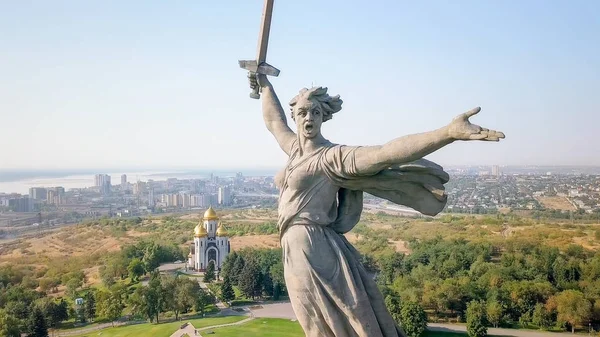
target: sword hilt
254 68
255 92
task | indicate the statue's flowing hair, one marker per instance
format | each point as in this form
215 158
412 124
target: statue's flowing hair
328 104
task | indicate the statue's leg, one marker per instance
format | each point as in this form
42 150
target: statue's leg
312 269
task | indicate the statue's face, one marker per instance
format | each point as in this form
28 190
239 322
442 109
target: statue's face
308 117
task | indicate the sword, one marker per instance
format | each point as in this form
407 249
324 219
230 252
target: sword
260 66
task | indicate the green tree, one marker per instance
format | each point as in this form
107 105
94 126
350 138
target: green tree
227 266
135 269
250 281
203 299
151 258
110 304
476 320
236 270
90 305
168 287
9 325
276 273
227 293
541 317
37 324
571 307
138 304
72 286
413 319
154 297
63 310
494 312
392 303
525 319
209 274
54 313
186 292
106 276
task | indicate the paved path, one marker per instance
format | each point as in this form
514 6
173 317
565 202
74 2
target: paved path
84 330
224 325
188 329
274 310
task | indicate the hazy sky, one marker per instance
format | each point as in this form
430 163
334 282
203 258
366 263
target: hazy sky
149 84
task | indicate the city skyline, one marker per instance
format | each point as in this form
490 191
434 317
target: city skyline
155 85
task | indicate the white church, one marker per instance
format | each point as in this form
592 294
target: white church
211 243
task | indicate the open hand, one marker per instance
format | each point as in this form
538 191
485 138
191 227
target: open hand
461 129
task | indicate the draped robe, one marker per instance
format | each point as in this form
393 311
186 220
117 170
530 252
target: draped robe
321 197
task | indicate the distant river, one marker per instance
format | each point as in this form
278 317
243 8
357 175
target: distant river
86 180
20 182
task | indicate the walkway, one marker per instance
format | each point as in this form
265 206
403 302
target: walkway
85 330
223 325
187 329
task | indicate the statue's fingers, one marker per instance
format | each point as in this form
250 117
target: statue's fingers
472 112
496 134
478 136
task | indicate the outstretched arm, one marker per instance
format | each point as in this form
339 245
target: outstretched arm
372 159
273 113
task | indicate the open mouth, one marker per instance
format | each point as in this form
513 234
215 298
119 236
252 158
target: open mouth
308 127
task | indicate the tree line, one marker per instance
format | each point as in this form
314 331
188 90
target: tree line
138 259
26 308
519 284
257 273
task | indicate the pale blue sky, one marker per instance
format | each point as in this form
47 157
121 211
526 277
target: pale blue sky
149 84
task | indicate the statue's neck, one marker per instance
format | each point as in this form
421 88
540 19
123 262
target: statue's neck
310 145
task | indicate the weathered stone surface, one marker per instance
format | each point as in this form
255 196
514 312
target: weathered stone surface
321 189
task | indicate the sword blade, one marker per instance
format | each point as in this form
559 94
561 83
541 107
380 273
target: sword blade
265 28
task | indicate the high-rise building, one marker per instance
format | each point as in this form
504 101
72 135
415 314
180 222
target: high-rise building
139 187
224 196
197 200
496 170
60 190
55 195
103 182
151 197
37 193
185 200
123 181
172 200
23 204
50 194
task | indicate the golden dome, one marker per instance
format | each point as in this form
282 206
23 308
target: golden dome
200 231
221 231
210 214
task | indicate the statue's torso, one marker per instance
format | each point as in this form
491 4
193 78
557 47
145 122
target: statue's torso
305 186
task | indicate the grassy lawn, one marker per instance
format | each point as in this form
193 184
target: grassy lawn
277 327
189 275
159 330
261 327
